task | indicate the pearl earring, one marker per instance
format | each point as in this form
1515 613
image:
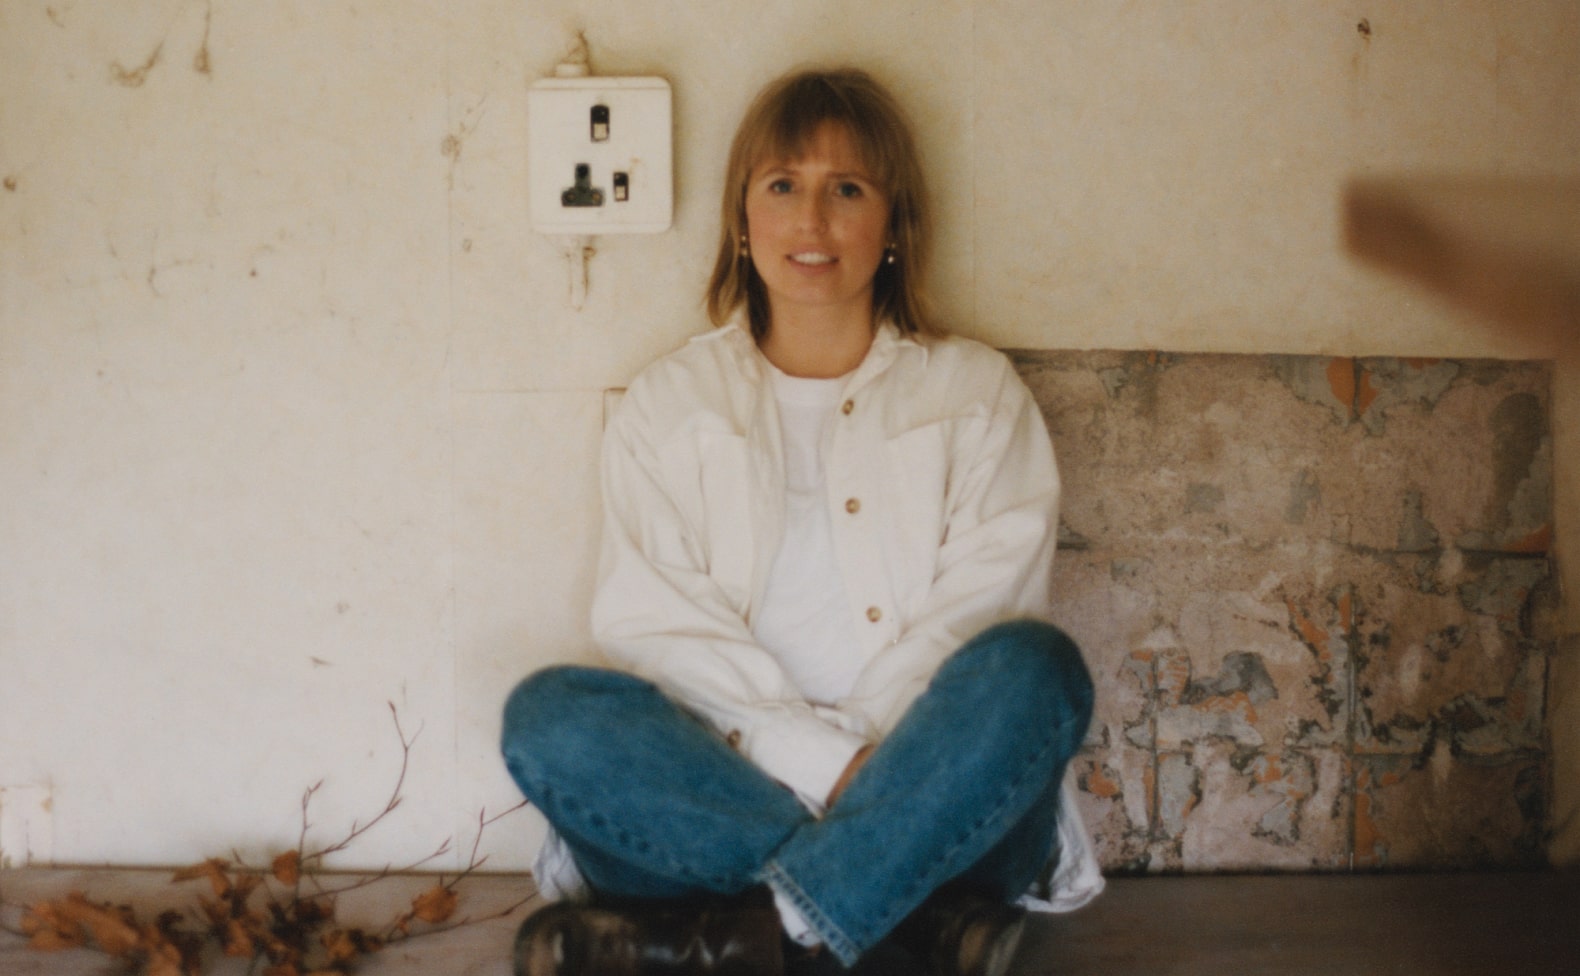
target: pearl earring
746 250
889 255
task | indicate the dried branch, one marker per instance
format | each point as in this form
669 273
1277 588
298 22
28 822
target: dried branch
386 872
293 933
473 863
389 807
508 910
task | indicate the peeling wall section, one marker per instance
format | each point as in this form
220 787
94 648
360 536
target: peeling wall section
1322 592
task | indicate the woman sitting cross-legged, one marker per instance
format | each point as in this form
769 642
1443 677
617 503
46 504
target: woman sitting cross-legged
839 730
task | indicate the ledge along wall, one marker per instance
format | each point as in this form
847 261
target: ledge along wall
1318 596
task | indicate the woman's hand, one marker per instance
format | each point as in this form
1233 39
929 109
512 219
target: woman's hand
856 762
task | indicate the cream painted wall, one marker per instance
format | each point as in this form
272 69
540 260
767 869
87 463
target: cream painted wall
296 419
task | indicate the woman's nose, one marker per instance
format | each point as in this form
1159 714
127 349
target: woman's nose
813 212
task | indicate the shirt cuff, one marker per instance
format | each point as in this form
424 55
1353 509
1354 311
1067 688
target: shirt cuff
804 753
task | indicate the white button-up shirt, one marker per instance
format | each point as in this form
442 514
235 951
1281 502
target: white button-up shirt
944 496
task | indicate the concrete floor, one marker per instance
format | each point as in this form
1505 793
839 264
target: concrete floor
1406 925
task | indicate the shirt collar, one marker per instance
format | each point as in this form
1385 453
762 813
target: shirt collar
885 345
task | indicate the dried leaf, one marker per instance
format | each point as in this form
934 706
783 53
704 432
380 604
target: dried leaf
53 940
238 940
288 868
50 926
435 905
341 946
44 917
213 869
112 929
164 959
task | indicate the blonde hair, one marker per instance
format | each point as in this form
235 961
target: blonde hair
780 124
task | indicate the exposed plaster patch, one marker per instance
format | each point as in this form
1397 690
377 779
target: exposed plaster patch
1303 494
1503 590
1387 383
1203 498
1179 792
1324 382
1416 534
1242 671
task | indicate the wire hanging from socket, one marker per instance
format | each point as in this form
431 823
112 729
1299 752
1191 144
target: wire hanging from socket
578 250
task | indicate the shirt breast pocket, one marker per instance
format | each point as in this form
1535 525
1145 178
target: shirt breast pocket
725 487
916 479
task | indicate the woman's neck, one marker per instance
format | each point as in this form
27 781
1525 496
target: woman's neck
817 347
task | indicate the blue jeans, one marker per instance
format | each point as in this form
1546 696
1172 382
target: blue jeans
654 804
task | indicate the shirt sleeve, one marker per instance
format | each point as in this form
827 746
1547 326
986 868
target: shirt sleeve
995 561
658 612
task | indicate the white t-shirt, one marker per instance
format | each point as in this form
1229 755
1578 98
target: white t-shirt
805 618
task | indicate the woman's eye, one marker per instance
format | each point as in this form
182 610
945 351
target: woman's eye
848 189
779 186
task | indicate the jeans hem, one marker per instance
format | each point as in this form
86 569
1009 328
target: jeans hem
832 935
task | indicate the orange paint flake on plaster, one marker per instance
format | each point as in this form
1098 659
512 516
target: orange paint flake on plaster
1174 675
1537 542
1236 702
1341 380
1368 838
1268 770
1098 783
1369 845
1365 393
1311 632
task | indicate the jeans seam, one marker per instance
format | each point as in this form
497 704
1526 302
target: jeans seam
834 937
628 840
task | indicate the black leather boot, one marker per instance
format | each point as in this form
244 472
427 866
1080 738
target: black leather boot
734 937
962 933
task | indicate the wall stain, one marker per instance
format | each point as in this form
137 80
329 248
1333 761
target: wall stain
454 142
202 63
1364 28
10 184
135 77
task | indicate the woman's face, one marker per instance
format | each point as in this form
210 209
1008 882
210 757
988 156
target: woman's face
817 227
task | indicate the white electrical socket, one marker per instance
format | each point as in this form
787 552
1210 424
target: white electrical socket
599 155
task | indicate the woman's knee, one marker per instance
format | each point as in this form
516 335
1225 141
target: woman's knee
1034 661
559 703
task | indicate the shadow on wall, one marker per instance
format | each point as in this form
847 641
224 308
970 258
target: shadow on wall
1318 597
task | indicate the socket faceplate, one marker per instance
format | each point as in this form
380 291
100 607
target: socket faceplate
599 155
